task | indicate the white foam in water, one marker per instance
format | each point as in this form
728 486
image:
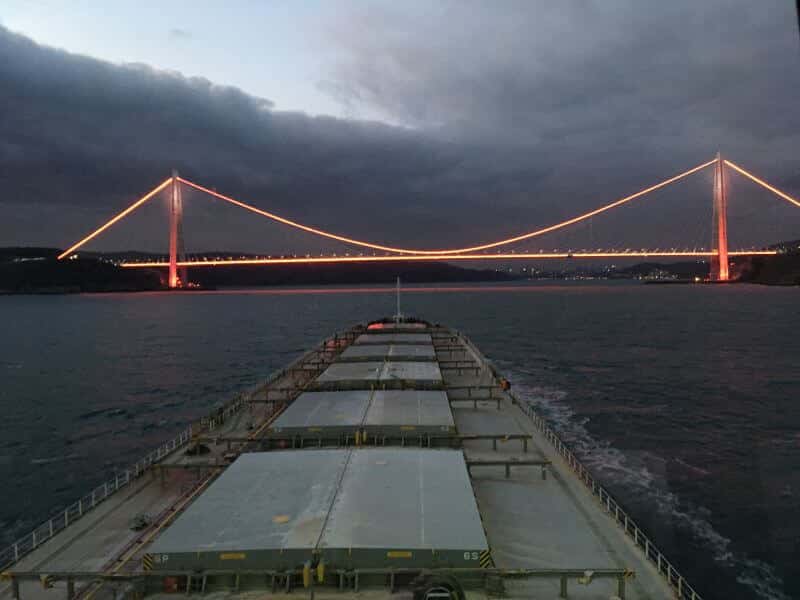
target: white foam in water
610 463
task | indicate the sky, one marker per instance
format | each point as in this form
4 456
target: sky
265 48
415 123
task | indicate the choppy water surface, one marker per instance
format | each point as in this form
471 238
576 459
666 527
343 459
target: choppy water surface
683 400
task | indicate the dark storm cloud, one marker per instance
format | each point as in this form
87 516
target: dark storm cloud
673 77
517 118
87 136
77 131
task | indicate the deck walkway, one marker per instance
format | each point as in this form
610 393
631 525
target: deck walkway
536 523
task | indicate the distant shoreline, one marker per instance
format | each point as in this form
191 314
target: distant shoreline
387 287
36 271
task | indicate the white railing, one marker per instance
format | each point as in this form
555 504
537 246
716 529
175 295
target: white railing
12 553
73 512
642 542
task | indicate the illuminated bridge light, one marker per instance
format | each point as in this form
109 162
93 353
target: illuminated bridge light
762 183
116 218
487 251
445 257
494 244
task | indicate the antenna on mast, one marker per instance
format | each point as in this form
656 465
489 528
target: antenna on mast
398 316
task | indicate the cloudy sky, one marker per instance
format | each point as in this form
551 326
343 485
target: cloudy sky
415 123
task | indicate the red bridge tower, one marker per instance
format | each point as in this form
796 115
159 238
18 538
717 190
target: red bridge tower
177 278
719 261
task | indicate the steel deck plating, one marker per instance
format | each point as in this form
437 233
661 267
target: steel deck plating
388 352
394 413
405 507
245 519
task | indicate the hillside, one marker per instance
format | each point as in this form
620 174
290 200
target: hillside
35 270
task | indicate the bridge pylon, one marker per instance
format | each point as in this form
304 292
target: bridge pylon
176 277
720 260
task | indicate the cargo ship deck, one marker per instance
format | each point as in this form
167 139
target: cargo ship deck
391 459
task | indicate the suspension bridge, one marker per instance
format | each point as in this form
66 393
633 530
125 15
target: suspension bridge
719 254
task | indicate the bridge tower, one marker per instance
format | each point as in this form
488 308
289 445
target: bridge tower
177 278
719 261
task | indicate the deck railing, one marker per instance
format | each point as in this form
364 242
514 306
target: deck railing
63 518
612 507
12 553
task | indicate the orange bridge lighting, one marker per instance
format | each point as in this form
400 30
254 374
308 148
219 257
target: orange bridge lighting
762 183
116 218
412 251
466 253
443 257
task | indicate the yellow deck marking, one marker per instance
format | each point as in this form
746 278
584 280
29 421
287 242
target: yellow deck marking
232 556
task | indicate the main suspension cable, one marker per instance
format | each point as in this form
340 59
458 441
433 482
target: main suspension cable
115 218
414 251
